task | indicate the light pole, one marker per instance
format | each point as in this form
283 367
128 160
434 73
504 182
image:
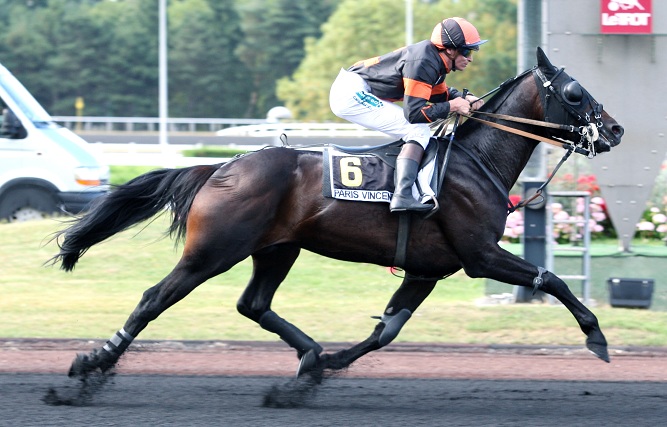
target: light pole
162 64
408 22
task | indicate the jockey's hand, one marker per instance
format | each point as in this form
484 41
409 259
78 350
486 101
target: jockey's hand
459 105
475 102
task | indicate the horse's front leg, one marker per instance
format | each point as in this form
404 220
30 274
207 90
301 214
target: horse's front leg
407 298
553 285
505 267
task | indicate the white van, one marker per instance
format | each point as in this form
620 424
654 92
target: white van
44 167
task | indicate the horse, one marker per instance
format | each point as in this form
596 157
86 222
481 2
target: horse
268 205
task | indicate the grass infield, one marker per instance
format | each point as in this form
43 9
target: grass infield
330 300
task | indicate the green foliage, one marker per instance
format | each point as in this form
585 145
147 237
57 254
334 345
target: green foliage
225 56
212 151
206 77
275 32
360 30
122 174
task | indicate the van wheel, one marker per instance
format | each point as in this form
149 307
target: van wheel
26 214
28 204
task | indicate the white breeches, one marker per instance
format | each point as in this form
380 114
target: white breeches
350 99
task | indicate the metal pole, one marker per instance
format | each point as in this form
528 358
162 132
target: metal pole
587 250
530 28
408 22
536 235
163 75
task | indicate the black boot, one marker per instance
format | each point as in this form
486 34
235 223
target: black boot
406 174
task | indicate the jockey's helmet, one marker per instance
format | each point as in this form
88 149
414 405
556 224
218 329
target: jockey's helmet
456 33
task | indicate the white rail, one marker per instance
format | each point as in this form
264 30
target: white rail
300 129
150 124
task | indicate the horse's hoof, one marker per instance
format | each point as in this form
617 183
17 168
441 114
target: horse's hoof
80 366
600 350
308 363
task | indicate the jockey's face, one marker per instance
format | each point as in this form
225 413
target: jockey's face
461 61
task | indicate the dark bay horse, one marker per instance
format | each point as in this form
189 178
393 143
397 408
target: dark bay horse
269 205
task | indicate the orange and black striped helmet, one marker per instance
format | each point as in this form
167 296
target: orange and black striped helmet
456 33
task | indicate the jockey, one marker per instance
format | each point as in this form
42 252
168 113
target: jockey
365 94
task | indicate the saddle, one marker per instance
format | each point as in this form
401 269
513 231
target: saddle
366 174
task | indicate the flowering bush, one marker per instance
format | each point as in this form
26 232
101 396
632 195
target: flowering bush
567 227
568 219
653 225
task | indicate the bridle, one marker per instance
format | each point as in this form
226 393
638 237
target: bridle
587 131
567 96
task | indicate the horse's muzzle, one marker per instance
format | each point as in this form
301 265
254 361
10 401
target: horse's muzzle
609 137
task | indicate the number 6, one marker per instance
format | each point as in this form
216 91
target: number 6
350 172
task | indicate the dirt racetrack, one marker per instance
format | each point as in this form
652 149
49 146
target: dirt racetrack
250 384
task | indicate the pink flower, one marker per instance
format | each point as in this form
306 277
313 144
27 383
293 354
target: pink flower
556 207
598 216
645 226
561 215
659 218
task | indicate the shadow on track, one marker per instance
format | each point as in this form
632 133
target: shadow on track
220 400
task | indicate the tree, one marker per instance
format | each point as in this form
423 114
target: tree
131 61
360 30
206 77
274 35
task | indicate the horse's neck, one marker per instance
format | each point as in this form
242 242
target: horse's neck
504 153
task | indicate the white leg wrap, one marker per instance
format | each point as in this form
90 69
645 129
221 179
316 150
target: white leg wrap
119 342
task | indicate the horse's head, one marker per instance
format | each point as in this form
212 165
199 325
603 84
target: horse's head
566 102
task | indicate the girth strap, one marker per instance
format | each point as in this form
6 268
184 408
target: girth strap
402 239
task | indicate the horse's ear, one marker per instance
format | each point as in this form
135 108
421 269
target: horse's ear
543 62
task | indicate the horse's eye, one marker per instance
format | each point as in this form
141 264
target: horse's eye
572 92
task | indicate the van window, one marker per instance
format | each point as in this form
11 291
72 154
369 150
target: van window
10 125
26 103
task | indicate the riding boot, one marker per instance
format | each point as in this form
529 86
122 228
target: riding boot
407 167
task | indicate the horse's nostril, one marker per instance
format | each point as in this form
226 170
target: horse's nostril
618 130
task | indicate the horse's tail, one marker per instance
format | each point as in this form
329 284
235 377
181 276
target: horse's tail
139 199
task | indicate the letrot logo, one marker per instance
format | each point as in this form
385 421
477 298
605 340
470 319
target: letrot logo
615 5
625 17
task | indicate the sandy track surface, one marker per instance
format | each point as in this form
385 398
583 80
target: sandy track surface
398 360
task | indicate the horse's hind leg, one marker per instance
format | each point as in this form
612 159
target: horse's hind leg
270 267
190 272
407 298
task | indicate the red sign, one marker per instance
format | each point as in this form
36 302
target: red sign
626 17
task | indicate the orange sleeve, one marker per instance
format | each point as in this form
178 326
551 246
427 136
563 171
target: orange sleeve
417 89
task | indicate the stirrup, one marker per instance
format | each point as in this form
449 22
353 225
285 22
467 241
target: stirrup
436 206
411 205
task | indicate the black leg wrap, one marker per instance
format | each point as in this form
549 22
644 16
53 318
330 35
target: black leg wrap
538 281
393 325
289 333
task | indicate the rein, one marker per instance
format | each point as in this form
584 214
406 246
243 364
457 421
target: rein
583 131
